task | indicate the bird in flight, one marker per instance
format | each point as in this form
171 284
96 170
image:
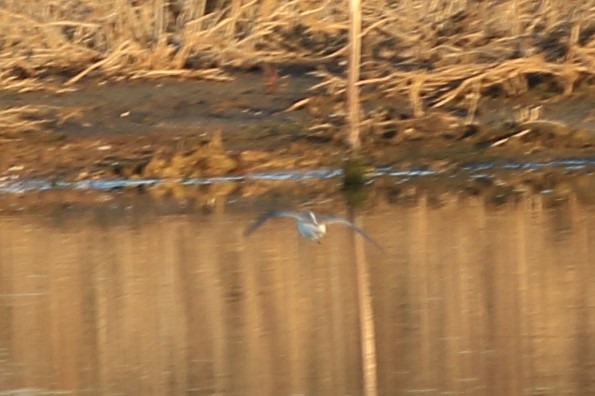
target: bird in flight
309 224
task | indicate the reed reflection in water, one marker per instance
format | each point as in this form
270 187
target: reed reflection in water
468 299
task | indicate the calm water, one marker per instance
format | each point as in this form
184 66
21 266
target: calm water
468 300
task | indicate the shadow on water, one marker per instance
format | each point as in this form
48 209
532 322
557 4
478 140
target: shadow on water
467 299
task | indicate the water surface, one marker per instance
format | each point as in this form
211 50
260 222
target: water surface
468 299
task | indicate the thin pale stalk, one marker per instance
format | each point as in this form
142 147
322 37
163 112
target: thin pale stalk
353 104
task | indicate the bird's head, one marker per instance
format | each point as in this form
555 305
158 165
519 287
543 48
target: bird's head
318 232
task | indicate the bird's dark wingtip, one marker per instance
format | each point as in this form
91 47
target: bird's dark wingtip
260 220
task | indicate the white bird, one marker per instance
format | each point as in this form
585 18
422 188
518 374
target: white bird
309 224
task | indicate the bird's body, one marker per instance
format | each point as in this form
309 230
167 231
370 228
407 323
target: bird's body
309 224
313 231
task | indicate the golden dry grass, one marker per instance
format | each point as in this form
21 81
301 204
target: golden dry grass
21 119
441 52
34 118
435 52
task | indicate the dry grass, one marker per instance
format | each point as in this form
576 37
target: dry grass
21 119
438 53
17 120
435 52
144 38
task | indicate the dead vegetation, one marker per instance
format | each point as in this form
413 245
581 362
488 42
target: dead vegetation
17 120
445 56
435 54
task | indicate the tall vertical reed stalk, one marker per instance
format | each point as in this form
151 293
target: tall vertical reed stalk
366 314
353 103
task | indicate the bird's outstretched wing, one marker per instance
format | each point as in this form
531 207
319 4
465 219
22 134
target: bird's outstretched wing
263 218
340 220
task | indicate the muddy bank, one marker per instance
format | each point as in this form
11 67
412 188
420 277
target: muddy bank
167 133
204 128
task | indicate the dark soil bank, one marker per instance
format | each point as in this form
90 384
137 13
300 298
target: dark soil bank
177 128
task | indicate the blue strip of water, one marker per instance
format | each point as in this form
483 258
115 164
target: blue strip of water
17 185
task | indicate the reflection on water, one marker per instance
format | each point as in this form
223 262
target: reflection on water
468 299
